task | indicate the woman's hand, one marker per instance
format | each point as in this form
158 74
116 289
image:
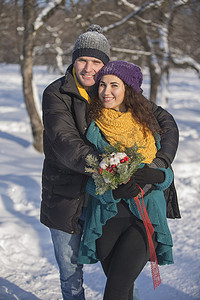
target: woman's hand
128 190
148 175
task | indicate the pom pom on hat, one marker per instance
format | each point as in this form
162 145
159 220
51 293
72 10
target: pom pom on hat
92 43
127 72
96 28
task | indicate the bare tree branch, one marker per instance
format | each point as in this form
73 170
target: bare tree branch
102 13
46 13
185 61
138 52
137 10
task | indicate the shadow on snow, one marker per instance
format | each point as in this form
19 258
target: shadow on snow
10 291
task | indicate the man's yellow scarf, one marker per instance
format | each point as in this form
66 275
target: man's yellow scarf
81 89
119 127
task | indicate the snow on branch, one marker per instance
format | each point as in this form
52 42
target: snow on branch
177 3
186 61
139 52
46 13
131 5
147 22
102 13
76 18
151 3
136 10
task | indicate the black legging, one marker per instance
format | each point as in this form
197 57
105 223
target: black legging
123 251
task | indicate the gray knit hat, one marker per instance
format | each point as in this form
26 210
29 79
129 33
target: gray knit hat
92 43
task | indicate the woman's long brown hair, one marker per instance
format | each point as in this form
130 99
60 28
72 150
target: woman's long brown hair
139 106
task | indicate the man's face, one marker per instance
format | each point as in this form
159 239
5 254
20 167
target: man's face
86 69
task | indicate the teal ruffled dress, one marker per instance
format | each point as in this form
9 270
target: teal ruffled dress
103 207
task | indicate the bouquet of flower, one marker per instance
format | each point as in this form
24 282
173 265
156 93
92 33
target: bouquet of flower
115 168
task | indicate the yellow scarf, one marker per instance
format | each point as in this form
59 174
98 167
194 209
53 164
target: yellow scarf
122 128
81 90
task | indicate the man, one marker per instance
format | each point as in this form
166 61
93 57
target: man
65 116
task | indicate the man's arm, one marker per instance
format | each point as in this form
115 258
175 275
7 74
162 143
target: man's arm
61 134
170 134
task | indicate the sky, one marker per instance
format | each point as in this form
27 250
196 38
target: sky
28 268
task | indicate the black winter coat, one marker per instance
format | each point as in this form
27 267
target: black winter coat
65 147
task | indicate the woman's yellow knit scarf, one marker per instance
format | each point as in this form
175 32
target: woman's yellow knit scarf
120 127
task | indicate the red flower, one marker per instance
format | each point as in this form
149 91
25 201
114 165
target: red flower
124 159
100 171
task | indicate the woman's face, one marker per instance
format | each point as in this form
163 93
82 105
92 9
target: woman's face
111 92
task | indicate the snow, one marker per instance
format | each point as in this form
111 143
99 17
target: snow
28 268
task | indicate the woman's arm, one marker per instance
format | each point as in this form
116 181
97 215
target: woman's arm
161 178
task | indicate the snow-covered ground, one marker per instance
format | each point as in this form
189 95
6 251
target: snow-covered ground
28 270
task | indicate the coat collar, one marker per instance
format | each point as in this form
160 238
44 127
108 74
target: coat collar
69 84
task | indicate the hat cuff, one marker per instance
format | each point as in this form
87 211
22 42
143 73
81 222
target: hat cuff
89 52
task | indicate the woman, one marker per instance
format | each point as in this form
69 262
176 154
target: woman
117 229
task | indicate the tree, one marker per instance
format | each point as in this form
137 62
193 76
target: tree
159 34
31 29
154 37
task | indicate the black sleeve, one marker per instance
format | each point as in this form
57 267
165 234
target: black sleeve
170 134
61 134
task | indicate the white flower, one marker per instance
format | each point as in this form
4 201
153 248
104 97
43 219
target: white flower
107 180
121 155
103 164
112 154
114 161
116 157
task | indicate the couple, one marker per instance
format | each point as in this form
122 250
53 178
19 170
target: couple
99 102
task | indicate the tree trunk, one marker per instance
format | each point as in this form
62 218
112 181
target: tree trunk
154 82
27 74
154 68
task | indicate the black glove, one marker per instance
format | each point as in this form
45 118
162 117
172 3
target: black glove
149 175
128 190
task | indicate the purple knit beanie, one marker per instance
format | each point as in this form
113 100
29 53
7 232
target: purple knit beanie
127 72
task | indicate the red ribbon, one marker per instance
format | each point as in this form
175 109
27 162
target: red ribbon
149 230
